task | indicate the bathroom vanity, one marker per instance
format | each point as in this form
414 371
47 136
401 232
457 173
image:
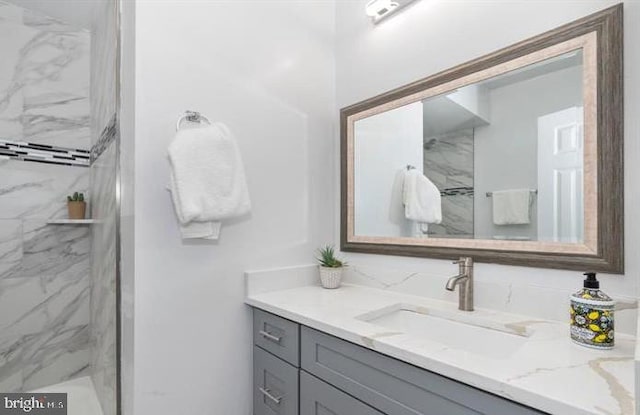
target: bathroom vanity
299 370
360 350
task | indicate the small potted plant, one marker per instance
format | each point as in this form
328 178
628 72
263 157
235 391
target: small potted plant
330 267
76 206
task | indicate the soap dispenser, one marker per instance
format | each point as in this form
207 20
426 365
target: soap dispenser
592 315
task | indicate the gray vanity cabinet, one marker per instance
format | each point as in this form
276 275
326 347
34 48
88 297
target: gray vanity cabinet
392 386
320 398
277 335
275 385
301 371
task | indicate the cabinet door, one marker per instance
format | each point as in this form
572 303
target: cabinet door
275 385
392 386
320 398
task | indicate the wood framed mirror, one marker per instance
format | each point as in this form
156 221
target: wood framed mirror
514 158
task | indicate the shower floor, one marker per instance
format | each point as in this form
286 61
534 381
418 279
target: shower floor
81 398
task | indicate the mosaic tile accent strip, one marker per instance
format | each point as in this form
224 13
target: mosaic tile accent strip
43 153
107 136
457 191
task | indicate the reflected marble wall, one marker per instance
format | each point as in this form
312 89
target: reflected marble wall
448 162
44 269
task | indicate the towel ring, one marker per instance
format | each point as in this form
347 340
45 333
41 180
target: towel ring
192 116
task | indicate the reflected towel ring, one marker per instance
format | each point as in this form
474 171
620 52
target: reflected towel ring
192 116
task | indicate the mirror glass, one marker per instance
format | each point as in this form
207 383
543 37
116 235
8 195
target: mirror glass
499 159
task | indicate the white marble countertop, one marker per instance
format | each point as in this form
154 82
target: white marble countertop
548 372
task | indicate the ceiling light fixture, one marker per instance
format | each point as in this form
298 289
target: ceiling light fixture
379 9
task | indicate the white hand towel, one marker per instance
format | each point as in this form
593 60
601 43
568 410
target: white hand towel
421 198
207 180
512 207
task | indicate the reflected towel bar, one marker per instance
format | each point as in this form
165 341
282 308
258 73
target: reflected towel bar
534 191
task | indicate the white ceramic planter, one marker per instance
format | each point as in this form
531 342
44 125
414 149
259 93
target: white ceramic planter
330 277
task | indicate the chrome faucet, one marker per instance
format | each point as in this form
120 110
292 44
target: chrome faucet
465 280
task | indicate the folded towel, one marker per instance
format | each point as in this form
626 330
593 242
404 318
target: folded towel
421 198
512 207
207 180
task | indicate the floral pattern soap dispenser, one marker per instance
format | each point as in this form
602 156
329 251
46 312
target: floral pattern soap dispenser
592 315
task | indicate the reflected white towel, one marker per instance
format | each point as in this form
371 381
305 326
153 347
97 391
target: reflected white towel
512 207
421 198
207 180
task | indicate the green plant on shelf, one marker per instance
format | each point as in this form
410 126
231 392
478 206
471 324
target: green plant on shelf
327 258
77 197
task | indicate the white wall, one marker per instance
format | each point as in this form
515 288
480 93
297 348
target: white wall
384 145
434 35
266 69
512 139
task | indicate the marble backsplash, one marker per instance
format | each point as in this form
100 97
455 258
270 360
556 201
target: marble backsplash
521 296
517 297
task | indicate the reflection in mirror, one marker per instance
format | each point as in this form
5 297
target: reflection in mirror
500 159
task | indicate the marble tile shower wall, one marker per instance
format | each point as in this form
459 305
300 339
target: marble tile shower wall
104 133
44 269
103 284
448 162
103 70
44 79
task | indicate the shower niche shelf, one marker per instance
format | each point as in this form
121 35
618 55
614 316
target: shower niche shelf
71 221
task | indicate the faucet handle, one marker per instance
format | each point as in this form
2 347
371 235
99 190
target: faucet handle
464 261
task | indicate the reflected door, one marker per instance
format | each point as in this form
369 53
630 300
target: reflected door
560 176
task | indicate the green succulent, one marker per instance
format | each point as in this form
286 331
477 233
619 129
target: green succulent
327 258
77 197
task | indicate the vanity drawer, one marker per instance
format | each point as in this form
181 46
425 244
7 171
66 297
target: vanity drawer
320 398
275 385
392 386
277 335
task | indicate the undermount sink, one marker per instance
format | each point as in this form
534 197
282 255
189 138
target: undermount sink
456 330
